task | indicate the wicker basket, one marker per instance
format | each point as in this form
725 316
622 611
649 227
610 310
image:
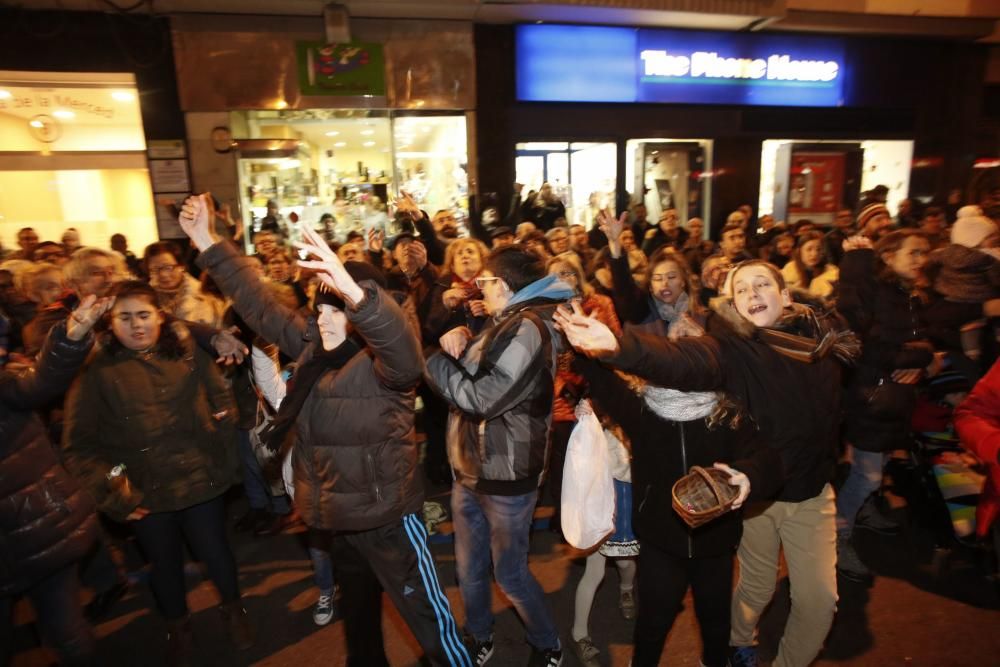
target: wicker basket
702 495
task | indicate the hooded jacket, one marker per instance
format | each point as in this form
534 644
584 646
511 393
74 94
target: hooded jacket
46 521
501 393
355 451
793 402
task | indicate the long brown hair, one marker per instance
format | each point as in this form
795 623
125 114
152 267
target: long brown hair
667 254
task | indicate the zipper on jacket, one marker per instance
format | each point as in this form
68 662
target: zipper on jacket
371 471
684 462
482 442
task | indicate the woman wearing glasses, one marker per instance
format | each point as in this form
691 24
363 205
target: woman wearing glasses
179 293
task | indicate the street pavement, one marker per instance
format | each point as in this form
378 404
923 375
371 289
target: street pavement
927 607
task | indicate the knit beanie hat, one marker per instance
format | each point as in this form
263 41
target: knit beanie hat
972 227
357 270
869 212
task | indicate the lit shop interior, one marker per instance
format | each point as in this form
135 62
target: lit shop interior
348 163
74 156
811 180
671 172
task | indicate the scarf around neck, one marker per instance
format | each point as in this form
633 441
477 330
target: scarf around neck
301 384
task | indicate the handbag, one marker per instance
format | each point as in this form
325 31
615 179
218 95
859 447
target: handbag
587 506
702 495
267 459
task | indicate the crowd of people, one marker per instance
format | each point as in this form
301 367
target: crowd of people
136 391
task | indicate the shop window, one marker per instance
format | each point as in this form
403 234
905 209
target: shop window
74 151
582 175
349 164
671 173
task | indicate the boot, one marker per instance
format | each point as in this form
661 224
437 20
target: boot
240 631
873 518
180 642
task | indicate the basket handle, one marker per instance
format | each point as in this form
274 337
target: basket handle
711 482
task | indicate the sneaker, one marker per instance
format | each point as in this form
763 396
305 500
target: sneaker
550 657
626 603
849 564
586 652
324 610
743 656
870 517
480 652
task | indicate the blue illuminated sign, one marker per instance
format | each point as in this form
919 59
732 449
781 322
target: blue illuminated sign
563 63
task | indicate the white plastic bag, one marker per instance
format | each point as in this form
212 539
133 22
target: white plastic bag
587 511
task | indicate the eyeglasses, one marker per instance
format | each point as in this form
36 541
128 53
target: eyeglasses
483 281
166 268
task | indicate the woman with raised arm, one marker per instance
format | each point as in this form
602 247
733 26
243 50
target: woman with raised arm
150 433
780 360
354 450
47 523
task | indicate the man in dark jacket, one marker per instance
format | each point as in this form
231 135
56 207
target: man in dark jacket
47 523
354 450
668 232
499 385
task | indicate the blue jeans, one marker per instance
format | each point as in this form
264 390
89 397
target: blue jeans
56 601
498 527
319 554
864 479
254 485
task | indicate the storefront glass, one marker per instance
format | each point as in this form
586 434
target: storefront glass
673 174
73 156
582 175
348 163
811 180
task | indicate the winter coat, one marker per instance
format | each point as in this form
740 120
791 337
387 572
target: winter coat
153 412
663 451
501 390
792 402
964 274
355 452
46 521
977 421
660 238
890 322
822 285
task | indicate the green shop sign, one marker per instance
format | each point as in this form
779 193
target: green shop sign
352 68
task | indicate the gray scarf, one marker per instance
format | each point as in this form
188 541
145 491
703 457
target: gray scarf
672 314
679 406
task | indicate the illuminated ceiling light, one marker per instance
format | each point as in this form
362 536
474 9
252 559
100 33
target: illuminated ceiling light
123 96
425 129
368 144
5 95
36 123
367 133
64 114
281 104
340 144
332 133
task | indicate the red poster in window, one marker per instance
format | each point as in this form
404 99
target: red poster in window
817 186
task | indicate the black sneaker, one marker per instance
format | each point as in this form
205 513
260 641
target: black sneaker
550 657
872 517
480 652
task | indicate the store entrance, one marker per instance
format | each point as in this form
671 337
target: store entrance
670 173
582 175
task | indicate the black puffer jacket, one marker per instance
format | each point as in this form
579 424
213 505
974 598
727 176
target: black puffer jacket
663 451
46 521
355 452
890 321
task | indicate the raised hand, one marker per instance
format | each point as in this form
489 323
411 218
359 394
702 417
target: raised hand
613 229
405 204
739 480
197 219
328 267
585 334
376 239
86 315
418 254
857 242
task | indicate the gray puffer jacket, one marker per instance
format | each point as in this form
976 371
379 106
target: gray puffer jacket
501 392
355 452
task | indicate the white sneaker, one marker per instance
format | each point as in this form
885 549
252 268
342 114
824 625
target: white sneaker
324 610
